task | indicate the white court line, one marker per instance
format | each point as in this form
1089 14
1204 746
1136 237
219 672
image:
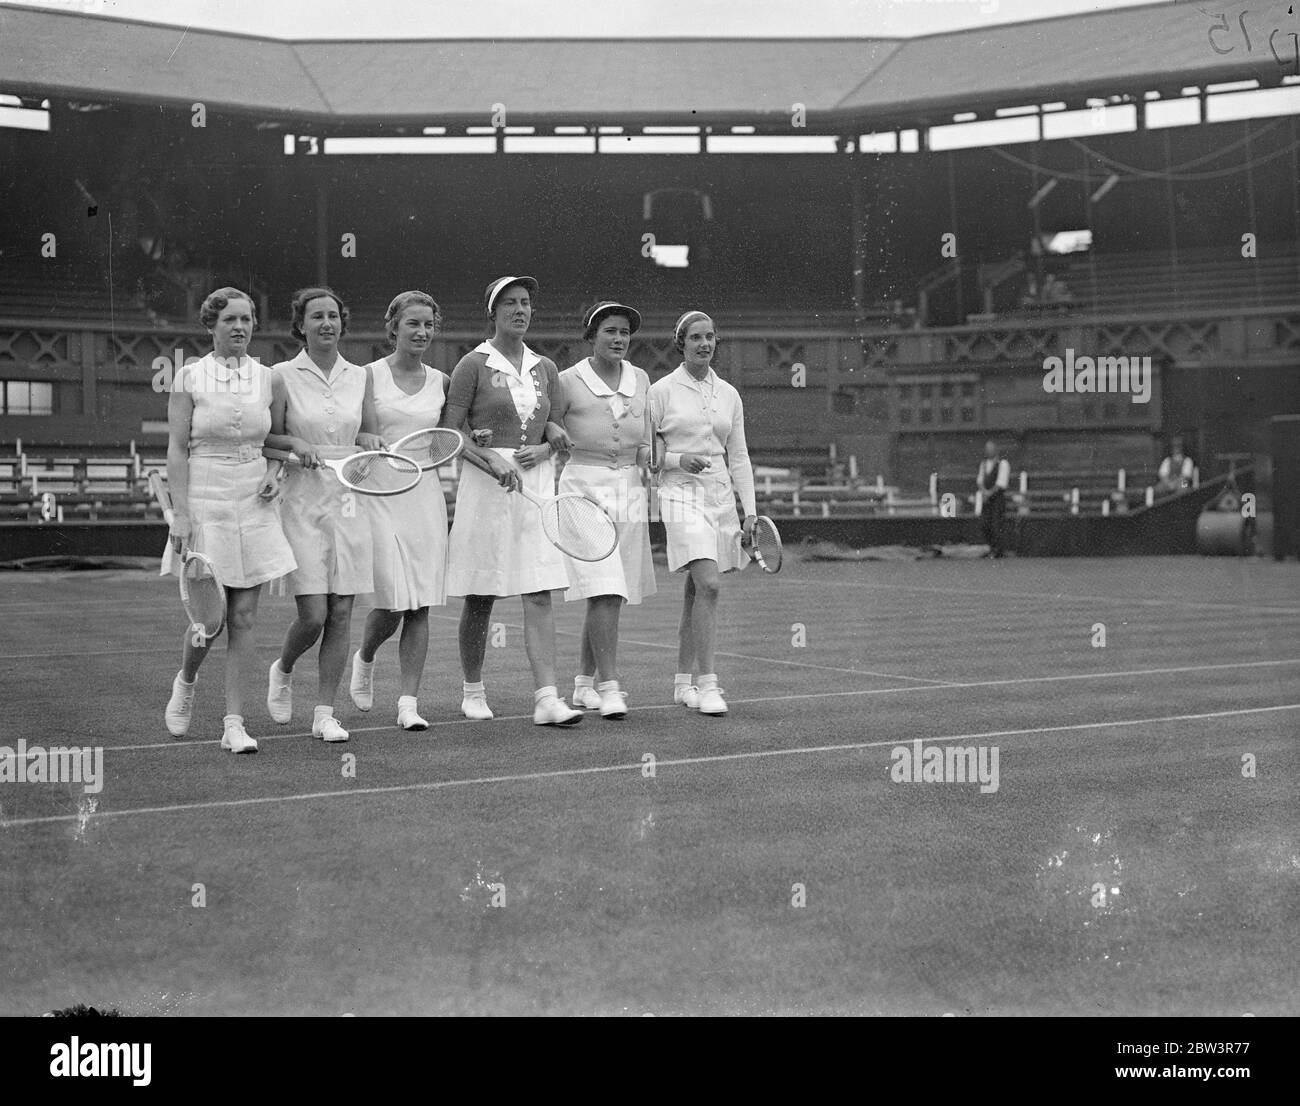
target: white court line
600 769
796 664
183 744
1135 600
740 656
126 649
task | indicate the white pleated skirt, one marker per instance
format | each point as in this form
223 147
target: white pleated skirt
701 520
239 531
629 570
497 546
409 532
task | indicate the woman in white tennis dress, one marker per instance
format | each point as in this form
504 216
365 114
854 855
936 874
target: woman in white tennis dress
497 546
317 413
409 531
699 425
218 415
604 411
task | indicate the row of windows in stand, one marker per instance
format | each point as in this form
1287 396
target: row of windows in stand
26 397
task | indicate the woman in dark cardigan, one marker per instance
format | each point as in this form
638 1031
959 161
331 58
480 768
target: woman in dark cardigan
497 547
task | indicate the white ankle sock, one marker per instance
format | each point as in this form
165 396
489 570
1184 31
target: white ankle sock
323 710
231 721
544 693
708 680
180 679
607 686
682 679
583 681
405 702
472 689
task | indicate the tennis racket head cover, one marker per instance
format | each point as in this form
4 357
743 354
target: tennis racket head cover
579 526
202 595
765 544
377 472
432 447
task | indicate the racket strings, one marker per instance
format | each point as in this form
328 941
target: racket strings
203 597
430 448
767 542
580 528
380 472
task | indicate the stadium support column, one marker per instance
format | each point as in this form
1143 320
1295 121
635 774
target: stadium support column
952 226
859 251
1171 208
322 233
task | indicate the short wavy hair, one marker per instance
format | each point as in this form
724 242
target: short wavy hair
303 297
216 302
403 300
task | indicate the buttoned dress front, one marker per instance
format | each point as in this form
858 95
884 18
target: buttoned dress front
326 526
497 546
607 427
229 522
409 531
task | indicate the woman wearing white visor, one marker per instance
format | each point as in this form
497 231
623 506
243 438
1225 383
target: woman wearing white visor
604 411
497 547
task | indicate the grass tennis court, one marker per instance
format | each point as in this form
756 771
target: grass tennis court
1123 866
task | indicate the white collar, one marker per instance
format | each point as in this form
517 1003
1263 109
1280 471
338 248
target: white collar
304 361
626 381
498 360
220 367
684 375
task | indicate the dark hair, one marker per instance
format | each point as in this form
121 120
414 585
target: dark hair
217 302
691 317
400 303
303 297
592 327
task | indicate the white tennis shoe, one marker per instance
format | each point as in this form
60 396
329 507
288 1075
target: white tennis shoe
689 697
362 685
279 694
613 703
586 697
235 739
409 718
474 707
712 702
329 729
554 711
180 707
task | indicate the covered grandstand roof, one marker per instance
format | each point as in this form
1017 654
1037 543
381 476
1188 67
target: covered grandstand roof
78 56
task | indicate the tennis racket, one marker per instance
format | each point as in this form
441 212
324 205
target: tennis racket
765 544
576 524
370 472
202 595
430 448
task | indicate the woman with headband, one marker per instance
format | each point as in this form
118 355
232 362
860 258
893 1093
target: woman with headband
409 531
317 413
497 546
699 425
604 410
